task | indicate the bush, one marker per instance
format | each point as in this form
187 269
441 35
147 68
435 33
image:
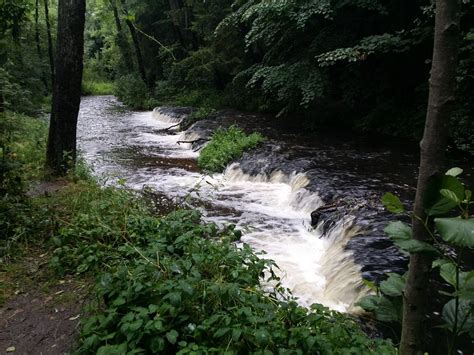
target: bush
225 146
132 91
188 288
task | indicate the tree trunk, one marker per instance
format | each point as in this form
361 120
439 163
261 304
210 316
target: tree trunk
61 152
121 39
38 46
442 93
50 42
136 44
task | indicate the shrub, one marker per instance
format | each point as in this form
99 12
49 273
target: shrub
188 288
225 146
132 91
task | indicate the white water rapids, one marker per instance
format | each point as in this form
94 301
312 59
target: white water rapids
273 212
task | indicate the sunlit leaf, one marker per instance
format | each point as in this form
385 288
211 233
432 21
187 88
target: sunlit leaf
392 203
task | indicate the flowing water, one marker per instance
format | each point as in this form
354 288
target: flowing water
269 194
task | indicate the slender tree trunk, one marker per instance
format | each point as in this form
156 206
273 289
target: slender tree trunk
175 9
50 42
61 152
136 44
442 94
121 39
38 45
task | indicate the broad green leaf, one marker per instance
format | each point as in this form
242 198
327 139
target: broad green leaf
457 231
450 195
392 203
368 303
398 231
454 171
416 246
386 311
465 318
221 332
448 273
172 336
393 286
401 235
434 202
236 333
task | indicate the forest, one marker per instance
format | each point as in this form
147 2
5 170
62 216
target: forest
236 176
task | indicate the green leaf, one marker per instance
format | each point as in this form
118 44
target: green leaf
434 202
236 333
401 235
450 195
416 246
454 172
457 231
368 303
112 349
386 311
448 273
465 316
393 286
392 203
221 332
398 231
172 336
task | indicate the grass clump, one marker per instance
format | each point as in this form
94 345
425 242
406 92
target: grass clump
225 146
97 88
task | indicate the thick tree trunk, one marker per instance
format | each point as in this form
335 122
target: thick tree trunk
61 152
38 45
136 44
442 93
50 42
121 39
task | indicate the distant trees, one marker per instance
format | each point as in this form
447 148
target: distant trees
61 149
433 145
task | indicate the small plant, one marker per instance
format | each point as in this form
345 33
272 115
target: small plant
225 146
97 88
446 194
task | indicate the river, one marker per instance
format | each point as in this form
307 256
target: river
269 194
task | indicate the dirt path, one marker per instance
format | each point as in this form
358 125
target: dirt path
42 313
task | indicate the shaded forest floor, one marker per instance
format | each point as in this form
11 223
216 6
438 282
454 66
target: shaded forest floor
39 312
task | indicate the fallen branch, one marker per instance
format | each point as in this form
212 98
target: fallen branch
170 127
194 141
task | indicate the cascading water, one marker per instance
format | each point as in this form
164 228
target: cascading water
273 211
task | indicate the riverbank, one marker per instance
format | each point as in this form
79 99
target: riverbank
167 283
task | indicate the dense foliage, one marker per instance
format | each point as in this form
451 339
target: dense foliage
355 64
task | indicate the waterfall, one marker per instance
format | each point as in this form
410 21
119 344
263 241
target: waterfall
272 210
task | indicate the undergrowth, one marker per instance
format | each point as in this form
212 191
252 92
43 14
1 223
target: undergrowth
97 88
225 146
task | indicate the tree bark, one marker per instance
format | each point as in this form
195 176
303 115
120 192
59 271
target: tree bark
50 42
61 151
136 44
121 39
38 46
441 97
